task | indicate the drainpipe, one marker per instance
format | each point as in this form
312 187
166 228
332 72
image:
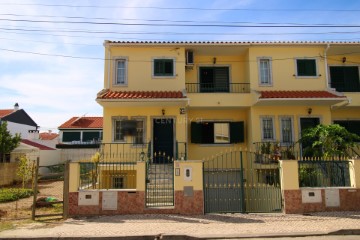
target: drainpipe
109 67
326 66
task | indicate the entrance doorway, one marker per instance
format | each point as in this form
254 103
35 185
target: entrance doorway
306 146
163 138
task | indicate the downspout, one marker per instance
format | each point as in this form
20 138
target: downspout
108 58
326 66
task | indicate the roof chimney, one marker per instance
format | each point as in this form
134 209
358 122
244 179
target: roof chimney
16 107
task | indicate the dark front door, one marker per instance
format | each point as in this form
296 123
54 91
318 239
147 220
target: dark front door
306 146
163 139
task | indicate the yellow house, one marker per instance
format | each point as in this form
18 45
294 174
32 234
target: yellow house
167 102
197 99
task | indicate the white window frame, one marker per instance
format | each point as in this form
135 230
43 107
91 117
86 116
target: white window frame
144 129
114 119
222 130
269 59
163 58
262 118
281 129
125 60
305 58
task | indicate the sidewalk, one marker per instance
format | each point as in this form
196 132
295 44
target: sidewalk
207 226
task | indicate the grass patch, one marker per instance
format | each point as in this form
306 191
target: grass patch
13 194
5 225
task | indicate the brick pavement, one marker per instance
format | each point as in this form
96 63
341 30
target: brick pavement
212 225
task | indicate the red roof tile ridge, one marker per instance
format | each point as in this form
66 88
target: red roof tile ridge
37 145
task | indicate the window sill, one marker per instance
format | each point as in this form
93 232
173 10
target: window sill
120 85
307 77
217 144
162 77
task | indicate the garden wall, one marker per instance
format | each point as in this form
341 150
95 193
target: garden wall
8 173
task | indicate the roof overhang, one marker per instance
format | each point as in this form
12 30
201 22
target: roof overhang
299 101
143 102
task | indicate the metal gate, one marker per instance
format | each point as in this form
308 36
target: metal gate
160 181
50 191
241 182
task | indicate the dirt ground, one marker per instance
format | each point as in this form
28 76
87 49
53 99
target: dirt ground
21 209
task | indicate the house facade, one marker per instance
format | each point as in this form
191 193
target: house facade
200 98
80 137
209 127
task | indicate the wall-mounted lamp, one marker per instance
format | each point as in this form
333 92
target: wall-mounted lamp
214 60
309 111
344 59
163 111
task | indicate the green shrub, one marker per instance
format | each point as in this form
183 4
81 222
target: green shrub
13 194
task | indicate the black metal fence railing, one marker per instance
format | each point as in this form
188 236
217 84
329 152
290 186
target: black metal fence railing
268 152
107 175
324 173
160 181
125 152
218 87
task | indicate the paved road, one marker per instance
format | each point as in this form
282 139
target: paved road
208 226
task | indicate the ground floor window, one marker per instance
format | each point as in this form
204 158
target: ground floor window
217 132
352 126
267 128
118 182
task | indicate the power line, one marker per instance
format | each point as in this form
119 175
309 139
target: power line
163 33
165 20
184 8
111 59
182 25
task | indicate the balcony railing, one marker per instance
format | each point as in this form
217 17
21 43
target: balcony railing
218 87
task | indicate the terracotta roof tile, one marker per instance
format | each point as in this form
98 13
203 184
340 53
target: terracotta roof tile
229 42
5 112
298 94
37 145
48 136
108 94
83 122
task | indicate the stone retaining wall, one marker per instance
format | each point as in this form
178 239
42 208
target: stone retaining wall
134 203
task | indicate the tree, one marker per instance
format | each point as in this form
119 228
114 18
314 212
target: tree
329 141
24 170
7 141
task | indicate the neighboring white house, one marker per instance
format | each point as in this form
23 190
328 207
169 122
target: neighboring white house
18 121
80 137
32 150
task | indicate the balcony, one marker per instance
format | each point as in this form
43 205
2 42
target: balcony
218 87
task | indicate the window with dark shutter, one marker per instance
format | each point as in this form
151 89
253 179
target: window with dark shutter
217 132
237 132
352 126
71 136
306 67
91 136
163 67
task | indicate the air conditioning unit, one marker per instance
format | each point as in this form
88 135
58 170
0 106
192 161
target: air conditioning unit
189 58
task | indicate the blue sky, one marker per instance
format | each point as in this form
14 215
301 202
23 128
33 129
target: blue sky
52 88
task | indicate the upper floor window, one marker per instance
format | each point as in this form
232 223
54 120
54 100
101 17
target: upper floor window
121 71
286 127
264 71
163 67
214 79
306 68
267 127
